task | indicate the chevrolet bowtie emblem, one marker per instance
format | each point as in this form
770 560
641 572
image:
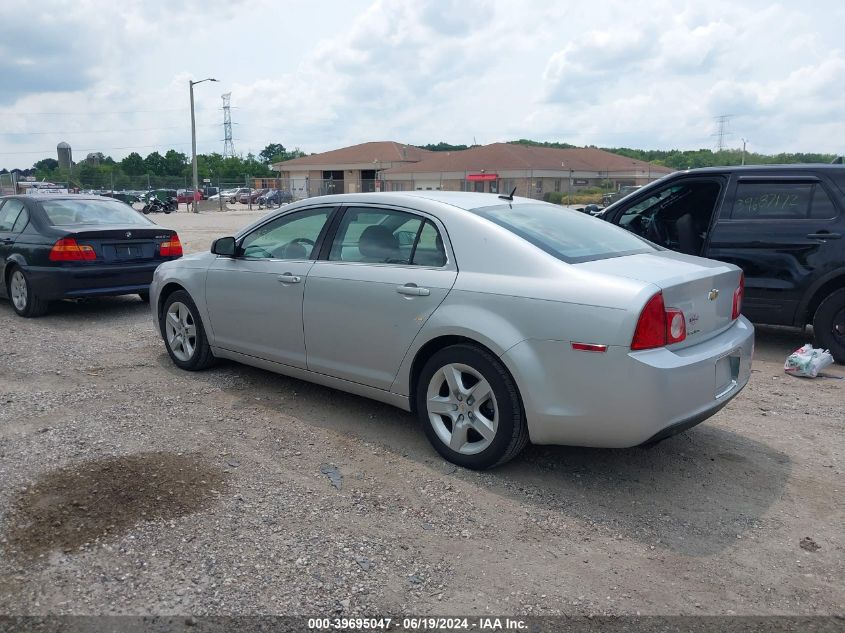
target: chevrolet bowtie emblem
713 294
128 234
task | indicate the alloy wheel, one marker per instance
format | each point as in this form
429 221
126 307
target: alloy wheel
19 291
181 330
462 408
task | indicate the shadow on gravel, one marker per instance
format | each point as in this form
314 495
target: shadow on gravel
68 508
696 493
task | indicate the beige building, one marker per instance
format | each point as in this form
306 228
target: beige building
347 170
495 168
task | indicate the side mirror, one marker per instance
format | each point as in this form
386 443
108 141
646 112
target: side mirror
224 246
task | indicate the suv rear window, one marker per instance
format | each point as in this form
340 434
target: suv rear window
570 236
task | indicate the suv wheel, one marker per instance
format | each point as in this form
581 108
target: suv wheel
829 325
469 407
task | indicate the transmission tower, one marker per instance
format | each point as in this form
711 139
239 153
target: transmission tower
228 144
722 131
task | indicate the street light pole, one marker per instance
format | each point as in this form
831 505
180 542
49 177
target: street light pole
191 85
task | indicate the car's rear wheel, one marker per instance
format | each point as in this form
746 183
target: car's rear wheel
829 325
24 299
183 333
470 408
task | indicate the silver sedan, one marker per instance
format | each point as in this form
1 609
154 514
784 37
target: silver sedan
496 320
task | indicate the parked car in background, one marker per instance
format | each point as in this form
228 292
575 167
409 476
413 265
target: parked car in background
494 323
251 196
184 196
72 246
237 193
610 198
782 224
274 198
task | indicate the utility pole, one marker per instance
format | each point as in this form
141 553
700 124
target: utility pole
191 85
744 141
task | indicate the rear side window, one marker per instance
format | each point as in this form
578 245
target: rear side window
384 236
9 214
822 207
20 223
782 201
568 235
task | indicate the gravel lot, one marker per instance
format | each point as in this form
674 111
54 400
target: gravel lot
130 487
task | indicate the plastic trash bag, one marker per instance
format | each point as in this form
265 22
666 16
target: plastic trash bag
807 361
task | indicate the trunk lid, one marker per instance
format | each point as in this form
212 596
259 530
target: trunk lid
702 288
118 244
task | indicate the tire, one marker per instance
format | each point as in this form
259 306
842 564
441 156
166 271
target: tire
145 210
500 413
829 325
22 295
144 295
193 353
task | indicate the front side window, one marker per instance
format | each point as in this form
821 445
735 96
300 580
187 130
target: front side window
568 235
92 212
9 214
291 236
385 236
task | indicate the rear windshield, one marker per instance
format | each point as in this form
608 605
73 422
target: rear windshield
71 212
568 235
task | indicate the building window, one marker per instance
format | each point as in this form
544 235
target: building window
557 184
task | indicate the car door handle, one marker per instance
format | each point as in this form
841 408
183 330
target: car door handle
413 290
6 241
824 235
288 278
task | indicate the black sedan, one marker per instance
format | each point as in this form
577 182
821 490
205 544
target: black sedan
71 246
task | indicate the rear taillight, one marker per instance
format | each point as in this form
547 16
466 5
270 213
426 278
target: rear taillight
739 293
67 250
659 325
171 248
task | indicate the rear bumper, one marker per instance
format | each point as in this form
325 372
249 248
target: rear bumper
66 282
621 398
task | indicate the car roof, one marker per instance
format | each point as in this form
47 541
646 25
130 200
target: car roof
778 167
461 199
57 196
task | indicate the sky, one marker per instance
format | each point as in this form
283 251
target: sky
113 76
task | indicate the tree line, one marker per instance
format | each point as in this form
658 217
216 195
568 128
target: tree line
173 168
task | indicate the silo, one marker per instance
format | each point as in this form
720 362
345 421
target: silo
65 155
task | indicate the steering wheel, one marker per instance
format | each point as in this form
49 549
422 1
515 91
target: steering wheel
657 232
301 240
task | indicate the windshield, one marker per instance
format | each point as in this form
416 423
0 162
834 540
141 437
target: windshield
71 212
568 235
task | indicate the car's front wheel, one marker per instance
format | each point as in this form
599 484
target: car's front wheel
829 325
183 333
470 408
24 299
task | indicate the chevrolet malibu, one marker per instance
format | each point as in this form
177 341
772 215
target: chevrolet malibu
496 320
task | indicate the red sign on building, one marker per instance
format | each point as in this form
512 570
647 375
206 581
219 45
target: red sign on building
482 177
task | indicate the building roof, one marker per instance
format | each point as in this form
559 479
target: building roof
363 154
509 156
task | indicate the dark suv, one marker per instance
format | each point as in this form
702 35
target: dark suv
782 224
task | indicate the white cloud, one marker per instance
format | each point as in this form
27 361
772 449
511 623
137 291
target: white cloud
322 75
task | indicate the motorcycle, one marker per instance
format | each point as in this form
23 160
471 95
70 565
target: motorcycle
154 205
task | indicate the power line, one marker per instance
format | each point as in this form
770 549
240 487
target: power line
139 129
